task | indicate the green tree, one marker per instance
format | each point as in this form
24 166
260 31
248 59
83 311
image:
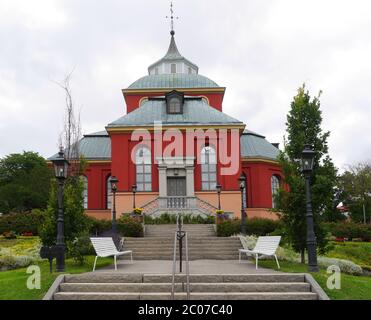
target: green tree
24 182
76 222
356 185
304 127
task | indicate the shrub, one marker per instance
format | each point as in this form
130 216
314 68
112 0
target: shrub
349 230
10 235
79 248
345 266
128 227
166 218
228 228
97 226
261 227
19 253
22 222
255 226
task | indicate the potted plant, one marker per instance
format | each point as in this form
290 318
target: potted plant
138 214
220 216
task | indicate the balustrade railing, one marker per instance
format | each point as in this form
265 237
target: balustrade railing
177 203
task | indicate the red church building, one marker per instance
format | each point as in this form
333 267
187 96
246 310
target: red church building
175 144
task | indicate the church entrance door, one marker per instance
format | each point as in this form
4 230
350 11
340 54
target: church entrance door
176 187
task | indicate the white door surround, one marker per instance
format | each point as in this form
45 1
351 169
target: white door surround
176 167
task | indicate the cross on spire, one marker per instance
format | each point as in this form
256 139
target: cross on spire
171 17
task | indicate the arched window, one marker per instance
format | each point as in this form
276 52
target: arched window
208 168
85 191
108 194
275 185
144 169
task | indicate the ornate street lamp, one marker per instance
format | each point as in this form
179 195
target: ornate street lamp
134 189
219 190
113 181
61 171
307 162
242 181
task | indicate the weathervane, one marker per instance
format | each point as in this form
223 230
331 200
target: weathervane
172 32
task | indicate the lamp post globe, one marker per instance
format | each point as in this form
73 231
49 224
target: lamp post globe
61 165
242 184
307 164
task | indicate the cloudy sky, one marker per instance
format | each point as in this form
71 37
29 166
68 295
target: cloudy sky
262 51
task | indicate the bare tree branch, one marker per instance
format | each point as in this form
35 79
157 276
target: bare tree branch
71 134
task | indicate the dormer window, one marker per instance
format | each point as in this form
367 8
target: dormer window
174 102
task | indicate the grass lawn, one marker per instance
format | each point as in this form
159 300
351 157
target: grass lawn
352 287
13 283
358 252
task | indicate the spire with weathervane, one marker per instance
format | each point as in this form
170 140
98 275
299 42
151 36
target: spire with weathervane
173 62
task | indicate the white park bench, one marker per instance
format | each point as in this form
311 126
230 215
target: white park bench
105 247
265 246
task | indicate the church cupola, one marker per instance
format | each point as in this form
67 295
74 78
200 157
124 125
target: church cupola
173 62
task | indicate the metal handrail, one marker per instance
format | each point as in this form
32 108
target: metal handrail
179 235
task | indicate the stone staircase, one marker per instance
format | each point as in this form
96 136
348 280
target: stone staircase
158 244
119 286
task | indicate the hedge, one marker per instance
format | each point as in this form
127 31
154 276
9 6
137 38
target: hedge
167 218
22 222
128 227
255 226
349 230
97 226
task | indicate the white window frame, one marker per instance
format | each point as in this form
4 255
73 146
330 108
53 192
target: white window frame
208 168
143 165
275 186
108 193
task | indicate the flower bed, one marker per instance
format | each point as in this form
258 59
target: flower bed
18 253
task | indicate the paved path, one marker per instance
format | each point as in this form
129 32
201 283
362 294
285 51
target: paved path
196 267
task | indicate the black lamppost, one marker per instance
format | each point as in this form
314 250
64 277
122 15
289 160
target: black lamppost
113 181
242 181
61 171
219 190
307 162
134 189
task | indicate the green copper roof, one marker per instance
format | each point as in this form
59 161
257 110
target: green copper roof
173 54
173 81
254 145
195 112
97 146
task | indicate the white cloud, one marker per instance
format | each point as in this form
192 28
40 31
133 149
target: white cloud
35 14
262 51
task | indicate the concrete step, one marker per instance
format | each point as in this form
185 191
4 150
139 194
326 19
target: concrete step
191 251
184 227
182 296
152 249
171 239
190 246
194 287
191 258
106 277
